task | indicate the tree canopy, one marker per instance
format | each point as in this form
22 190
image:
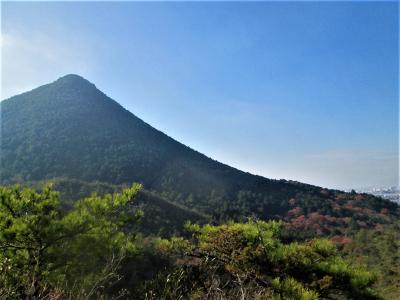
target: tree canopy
252 261
93 250
45 250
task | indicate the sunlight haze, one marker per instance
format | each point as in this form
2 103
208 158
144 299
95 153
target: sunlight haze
303 91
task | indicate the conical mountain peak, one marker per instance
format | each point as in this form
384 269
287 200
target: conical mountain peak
69 90
73 80
71 87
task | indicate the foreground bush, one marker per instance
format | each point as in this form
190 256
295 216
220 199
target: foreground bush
46 252
92 251
249 261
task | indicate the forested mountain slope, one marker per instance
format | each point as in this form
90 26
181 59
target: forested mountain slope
70 129
160 216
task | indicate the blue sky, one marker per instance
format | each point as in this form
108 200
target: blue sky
305 91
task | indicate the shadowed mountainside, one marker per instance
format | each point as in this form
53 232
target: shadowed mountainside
71 129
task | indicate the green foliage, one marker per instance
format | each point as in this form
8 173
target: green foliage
91 250
160 216
379 250
43 248
289 288
250 261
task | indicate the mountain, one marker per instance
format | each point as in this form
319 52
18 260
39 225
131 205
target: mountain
71 129
160 216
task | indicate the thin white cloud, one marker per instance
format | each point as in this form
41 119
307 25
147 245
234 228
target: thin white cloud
29 60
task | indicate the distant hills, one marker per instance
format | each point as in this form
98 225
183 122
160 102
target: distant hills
69 129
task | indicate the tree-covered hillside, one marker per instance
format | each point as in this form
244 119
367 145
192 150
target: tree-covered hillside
71 129
93 251
160 216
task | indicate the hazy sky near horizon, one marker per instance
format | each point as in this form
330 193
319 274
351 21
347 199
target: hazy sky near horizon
305 91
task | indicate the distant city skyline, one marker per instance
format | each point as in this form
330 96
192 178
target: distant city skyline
302 91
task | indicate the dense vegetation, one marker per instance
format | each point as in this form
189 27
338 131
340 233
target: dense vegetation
45 250
379 250
90 251
251 261
161 217
78 245
340 214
